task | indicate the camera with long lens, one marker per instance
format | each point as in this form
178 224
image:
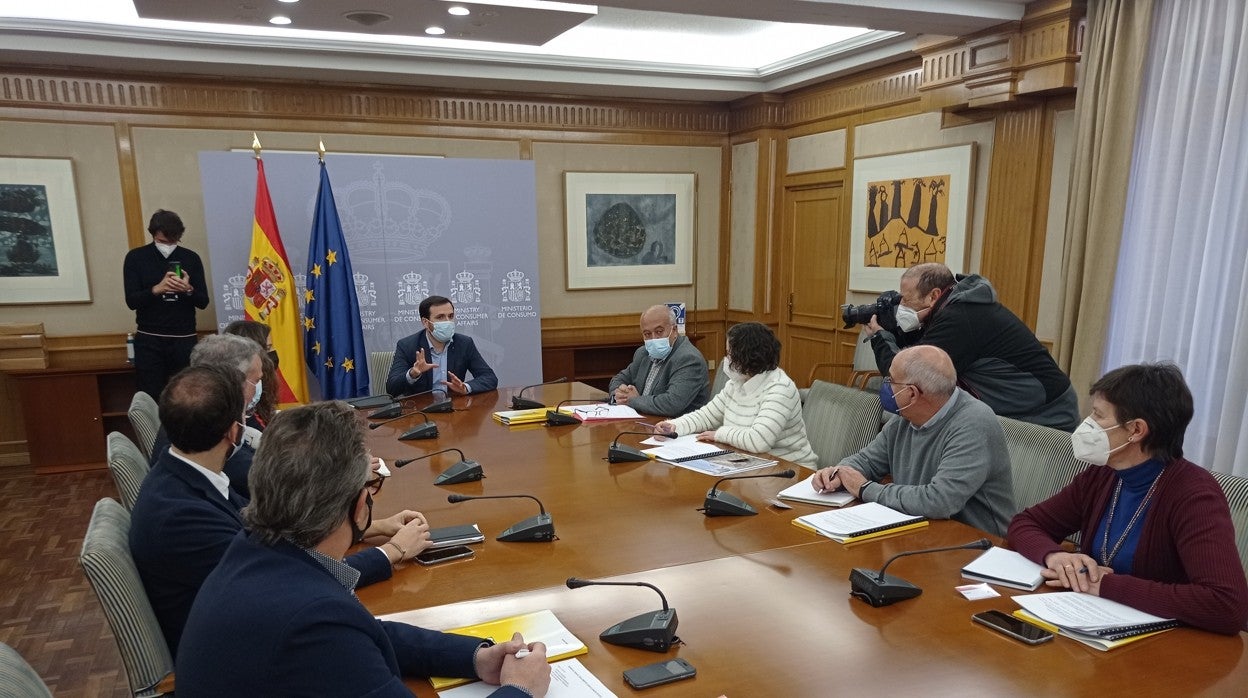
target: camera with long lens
884 309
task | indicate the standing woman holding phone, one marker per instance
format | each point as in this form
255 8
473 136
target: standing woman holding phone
164 285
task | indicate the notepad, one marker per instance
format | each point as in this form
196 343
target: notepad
805 491
867 520
1096 622
1005 567
514 417
538 626
685 448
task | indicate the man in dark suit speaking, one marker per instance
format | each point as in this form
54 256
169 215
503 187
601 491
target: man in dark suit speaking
278 616
437 357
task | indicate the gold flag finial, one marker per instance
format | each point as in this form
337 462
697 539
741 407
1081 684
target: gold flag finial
255 144
320 150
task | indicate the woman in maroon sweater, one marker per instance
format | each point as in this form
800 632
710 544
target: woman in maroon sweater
1155 529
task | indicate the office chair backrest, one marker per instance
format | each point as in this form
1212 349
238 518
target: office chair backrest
128 467
378 368
1236 489
1041 461
17 678
110 569
840 421
144 416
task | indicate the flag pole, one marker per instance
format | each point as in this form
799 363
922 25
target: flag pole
320 151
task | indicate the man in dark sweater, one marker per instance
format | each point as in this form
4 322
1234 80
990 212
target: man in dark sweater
997 357
164 284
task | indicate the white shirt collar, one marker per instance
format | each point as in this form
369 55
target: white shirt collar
220 481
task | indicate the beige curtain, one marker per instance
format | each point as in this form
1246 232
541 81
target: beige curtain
1105 119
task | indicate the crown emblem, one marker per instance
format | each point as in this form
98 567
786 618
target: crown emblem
412 277
515 275
238 280
465 276
360 278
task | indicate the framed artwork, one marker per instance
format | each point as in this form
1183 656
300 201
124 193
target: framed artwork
41 251
909 208
629 229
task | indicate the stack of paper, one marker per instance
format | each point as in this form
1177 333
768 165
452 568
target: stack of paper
514 417
1005 567
862 522
1098 623
805 491
539 626
601 413
685 448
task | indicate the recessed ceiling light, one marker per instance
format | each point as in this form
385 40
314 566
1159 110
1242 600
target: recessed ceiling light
279 19
458 10
435 31
288 1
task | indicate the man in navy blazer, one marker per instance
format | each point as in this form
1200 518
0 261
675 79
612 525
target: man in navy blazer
437 357
187 512
278 617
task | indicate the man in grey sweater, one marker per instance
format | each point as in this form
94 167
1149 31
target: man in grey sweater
946 455
667 375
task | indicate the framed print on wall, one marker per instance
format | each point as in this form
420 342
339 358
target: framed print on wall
41 250
629 229
909 208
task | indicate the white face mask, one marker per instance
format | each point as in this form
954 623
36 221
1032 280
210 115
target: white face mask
907 319
166 250
1091 443
732 373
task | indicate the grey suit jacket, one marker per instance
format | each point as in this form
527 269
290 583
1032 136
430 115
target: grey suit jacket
682 384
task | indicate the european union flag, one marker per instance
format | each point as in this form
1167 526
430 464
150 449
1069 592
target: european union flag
333 337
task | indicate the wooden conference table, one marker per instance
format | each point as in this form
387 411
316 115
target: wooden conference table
764 607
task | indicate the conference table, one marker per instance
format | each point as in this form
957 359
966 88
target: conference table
764 607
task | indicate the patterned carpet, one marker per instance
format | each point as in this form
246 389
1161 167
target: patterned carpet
47 610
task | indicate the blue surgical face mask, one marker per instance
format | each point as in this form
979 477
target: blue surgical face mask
255 399
443 330
658 348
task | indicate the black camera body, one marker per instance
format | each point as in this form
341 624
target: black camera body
884 309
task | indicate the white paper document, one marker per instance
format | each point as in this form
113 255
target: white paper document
1005 567
804 491
684 447
868 516
1071 609
601 412
568 679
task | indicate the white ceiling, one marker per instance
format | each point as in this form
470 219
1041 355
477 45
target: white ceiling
672 49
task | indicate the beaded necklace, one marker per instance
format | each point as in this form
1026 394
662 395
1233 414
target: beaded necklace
1107 558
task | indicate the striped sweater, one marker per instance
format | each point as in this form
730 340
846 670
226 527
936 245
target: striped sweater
762 414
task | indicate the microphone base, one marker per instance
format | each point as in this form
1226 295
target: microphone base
368 403
390 411
653 631
625 454
866 585
559 419
463 471
723 504
428 430
535 529
439 407
523 403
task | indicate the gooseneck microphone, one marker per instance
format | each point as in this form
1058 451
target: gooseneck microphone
555 418
395 408
535 529
724 504
626 454
654 631
523 403
879 589
464 471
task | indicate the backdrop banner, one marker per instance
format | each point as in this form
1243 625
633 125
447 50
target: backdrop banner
414 226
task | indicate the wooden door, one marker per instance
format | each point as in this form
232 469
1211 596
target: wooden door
813 281
64 425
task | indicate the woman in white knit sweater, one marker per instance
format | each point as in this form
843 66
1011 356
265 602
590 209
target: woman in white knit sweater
759 408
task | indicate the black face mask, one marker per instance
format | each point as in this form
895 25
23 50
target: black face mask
357 533
273 358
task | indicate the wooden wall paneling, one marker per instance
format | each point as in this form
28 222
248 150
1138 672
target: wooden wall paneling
812 279
1017 208
130 201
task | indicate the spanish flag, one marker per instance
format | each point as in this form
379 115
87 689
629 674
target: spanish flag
271 298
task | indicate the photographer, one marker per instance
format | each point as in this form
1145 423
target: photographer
998 359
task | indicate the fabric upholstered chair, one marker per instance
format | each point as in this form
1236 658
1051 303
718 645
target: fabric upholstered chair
145 418
128 467
721 378
17 678
110 569
1236 489
1041 461
378 369
839 420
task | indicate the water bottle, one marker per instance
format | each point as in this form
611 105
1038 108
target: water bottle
130 347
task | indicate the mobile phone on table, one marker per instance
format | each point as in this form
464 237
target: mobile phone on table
666 671
1016 628
433 557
